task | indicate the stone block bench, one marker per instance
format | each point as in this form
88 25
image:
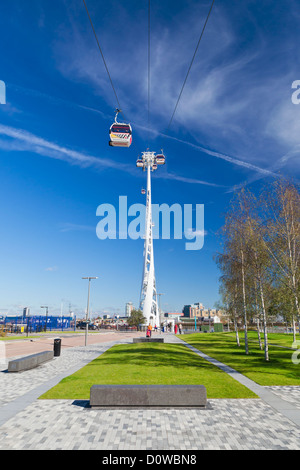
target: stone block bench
148 340
29 362
157 396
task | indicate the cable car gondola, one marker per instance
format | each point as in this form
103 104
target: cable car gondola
143 191
160 159
139 163
120 134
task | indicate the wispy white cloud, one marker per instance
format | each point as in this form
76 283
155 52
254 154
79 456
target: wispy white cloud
55 99
21 140
24 140
186 179
51 268
197 233
227 158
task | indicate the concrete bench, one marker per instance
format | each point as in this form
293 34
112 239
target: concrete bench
29 362
148 340
158 396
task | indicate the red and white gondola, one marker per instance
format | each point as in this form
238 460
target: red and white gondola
160 159
120 134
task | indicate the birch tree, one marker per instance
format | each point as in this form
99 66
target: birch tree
282 237
229 290
258 256
236 251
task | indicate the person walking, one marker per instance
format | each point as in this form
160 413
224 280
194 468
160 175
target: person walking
180 328
149 330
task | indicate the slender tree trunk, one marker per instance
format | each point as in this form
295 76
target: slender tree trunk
294 328
257 316
258 334
244 305
264 321
236 330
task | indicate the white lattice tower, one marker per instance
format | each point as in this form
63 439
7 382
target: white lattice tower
148 301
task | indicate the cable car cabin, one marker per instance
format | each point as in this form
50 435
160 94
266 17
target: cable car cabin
120 135
160 159
139 163
143 191
154 166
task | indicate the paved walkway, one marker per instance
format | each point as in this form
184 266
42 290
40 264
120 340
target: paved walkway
270 422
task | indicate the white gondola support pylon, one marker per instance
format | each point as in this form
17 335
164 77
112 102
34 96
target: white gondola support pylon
148 302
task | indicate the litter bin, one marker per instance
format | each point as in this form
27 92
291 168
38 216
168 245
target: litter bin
57 346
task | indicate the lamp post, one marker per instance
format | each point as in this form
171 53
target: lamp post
44 306
88 306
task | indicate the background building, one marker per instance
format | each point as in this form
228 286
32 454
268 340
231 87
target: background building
197 310
174 316
128 309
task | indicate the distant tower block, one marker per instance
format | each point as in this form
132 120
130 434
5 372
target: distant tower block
148 302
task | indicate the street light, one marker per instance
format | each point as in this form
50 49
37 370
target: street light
88 306
43 306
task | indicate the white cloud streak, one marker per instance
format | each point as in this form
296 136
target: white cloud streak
26 141
227 158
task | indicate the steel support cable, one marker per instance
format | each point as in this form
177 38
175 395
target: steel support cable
149 75
189 69
99 47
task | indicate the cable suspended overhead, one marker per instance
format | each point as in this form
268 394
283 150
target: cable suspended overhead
120 134
189 69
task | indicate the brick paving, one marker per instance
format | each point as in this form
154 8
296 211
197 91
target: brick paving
27 423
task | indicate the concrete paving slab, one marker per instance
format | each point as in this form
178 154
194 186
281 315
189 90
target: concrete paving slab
268 423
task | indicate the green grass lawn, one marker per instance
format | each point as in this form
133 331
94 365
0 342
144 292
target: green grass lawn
280 339
280 370
149 363
20 337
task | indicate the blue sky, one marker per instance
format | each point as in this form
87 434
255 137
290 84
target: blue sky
235 124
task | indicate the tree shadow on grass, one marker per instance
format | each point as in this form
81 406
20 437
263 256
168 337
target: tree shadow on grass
178 356
278 369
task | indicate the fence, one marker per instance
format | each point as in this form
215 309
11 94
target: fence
36 324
